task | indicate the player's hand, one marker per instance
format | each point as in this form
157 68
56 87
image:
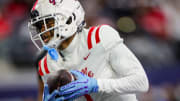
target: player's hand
83 85
49 97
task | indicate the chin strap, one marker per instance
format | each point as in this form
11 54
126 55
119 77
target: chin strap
81 26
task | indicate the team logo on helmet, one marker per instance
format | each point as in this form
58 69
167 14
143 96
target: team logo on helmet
55 1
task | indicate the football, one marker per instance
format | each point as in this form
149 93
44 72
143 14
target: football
59 78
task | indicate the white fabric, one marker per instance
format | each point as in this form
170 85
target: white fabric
127 67
120 75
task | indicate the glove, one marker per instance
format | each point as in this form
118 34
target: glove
52 52
47 96
83 85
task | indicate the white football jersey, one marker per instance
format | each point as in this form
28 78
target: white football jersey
99 52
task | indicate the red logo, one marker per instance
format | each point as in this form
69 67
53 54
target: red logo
52 1
85 58
55 2
86 72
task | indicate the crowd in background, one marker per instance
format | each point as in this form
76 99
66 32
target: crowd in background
150 28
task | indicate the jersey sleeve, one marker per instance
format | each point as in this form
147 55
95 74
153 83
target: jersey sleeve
47 65
131 75
109 37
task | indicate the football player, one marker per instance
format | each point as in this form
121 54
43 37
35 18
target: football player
105 69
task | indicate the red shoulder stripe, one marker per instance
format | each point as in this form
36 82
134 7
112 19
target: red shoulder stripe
45 65
40 70
97 35
89 38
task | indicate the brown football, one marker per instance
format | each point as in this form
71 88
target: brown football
59 78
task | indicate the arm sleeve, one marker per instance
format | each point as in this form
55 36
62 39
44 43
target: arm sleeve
131 77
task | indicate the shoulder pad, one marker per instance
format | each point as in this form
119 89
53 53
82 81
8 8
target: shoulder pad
103 34
109 36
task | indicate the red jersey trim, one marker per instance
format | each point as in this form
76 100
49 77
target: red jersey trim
45 65
97 35
89 38
40 70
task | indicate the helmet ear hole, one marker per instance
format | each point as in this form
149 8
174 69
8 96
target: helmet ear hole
69 21
57 35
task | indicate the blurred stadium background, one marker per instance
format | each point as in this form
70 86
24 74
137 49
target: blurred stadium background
150 28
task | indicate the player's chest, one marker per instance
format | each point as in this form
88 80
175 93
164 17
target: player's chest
95 63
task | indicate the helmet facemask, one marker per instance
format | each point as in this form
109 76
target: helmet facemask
53 22
52 30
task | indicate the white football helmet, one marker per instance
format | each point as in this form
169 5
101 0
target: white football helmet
53 21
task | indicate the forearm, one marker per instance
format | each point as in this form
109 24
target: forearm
130 75
40 90
130 84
